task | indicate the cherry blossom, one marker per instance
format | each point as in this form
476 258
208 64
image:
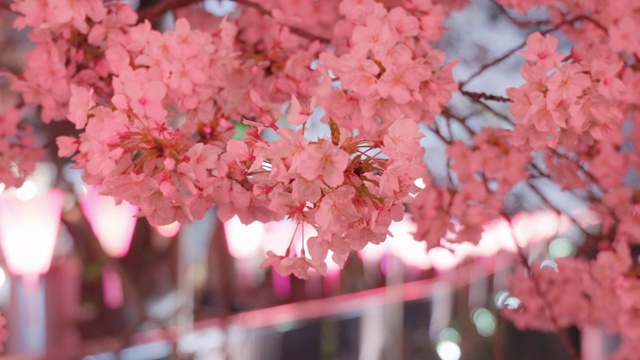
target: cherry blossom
270 114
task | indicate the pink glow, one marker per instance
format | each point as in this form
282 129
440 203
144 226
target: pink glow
112 288
28 232
169 230
281 285
442 259
112 224
404 246
536 226
278 236
244 241
373 252
497 236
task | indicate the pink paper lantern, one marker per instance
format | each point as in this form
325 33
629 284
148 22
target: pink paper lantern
112 224
28 232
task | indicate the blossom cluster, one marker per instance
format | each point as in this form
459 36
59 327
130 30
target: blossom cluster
577 103
384 66
19 151
157 117
485 171
576 292
348 188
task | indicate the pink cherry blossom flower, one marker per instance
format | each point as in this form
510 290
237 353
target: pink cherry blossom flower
79 105
323 159
336 210
300 114
542 51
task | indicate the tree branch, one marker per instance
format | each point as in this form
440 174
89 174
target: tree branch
481 95
562 335
294 30
516 22
521 45
154 12
436 130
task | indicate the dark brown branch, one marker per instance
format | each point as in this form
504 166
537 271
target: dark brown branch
436 130
493 111
446 112
481 95
294 30
519 23
154 12
521 45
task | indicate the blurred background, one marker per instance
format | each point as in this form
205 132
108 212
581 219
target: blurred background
82 279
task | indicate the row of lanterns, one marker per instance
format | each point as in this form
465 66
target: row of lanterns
30 216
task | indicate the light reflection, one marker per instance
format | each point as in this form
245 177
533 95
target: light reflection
220 7
27 191
448 350
244 241
561 247
169 230
549 264
512 303
500 298
450 334
484 320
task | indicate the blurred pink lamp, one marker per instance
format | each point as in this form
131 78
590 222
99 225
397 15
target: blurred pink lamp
244 243
28 232
169 230
113 225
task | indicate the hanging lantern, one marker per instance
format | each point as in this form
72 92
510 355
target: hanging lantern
28 230
112 224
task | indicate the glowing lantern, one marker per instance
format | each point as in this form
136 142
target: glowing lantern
28 232
244 241
169 230
404 246
113 224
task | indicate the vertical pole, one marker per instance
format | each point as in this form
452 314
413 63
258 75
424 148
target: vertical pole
26 318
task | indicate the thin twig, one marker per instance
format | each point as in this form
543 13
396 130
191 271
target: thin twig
553 207
481 95
519 23
521 45
436 130
494 112
446 112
